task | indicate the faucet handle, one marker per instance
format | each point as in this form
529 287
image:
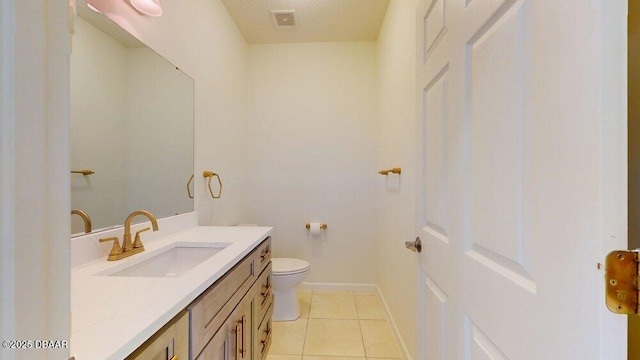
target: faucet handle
137 243
115 250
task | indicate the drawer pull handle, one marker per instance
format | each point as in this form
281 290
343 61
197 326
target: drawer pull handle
266 292
239 330
242 349
267 339
265 254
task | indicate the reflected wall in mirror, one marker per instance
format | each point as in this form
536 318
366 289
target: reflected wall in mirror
131 123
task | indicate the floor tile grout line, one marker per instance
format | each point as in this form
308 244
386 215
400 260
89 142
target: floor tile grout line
364 346
357 312
353 295
306 329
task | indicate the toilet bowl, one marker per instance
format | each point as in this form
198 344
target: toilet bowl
287 274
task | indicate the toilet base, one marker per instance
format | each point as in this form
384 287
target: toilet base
286 306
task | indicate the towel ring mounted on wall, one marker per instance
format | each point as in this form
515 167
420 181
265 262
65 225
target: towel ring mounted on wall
210 175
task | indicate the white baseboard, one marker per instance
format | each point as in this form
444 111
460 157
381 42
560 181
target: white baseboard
394 327
362 288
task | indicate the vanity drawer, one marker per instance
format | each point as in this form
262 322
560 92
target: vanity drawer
265 297
263 252
208 312
265 335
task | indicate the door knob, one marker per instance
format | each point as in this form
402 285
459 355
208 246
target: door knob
415 246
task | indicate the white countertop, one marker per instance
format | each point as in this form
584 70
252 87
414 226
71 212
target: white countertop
111 316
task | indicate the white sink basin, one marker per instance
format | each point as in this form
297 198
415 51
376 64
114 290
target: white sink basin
171 262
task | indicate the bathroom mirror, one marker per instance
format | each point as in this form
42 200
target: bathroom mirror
131 124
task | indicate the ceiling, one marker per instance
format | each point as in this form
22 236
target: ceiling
317 20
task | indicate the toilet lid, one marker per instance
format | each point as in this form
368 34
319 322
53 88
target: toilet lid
287 266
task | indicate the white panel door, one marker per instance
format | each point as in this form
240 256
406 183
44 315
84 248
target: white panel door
510 188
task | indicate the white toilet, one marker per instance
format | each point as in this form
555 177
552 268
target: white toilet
287 274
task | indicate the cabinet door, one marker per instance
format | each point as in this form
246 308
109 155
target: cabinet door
244 327
223 343
169 343
263 292
264 335
212 309
262 314
234 339
264 254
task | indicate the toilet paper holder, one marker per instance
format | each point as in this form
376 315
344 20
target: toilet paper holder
323 226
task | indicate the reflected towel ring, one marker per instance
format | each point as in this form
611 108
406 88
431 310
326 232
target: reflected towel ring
188 189
210 175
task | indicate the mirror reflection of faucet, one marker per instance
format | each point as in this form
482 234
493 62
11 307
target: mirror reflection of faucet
128 247
85 217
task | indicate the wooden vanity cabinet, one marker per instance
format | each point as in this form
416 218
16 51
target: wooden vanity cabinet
264 335
265 295
225 320
234 339
263 303
263 254
169 343
231 320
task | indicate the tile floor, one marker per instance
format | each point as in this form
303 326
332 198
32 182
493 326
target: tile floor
335 326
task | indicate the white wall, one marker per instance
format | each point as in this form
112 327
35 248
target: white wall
98 126
311 154
34 175
397 267
202 40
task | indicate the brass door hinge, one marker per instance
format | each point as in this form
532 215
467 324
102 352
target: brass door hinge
621 276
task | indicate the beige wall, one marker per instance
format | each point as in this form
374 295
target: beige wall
313 157
398 267
311 148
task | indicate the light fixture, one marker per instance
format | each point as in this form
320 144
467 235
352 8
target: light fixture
148 7
93 8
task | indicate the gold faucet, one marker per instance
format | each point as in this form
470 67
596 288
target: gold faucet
127 245
85 217
130 248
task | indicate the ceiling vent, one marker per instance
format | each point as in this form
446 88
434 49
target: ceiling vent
284 18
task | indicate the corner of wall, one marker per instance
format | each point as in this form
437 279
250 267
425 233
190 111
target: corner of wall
395 195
